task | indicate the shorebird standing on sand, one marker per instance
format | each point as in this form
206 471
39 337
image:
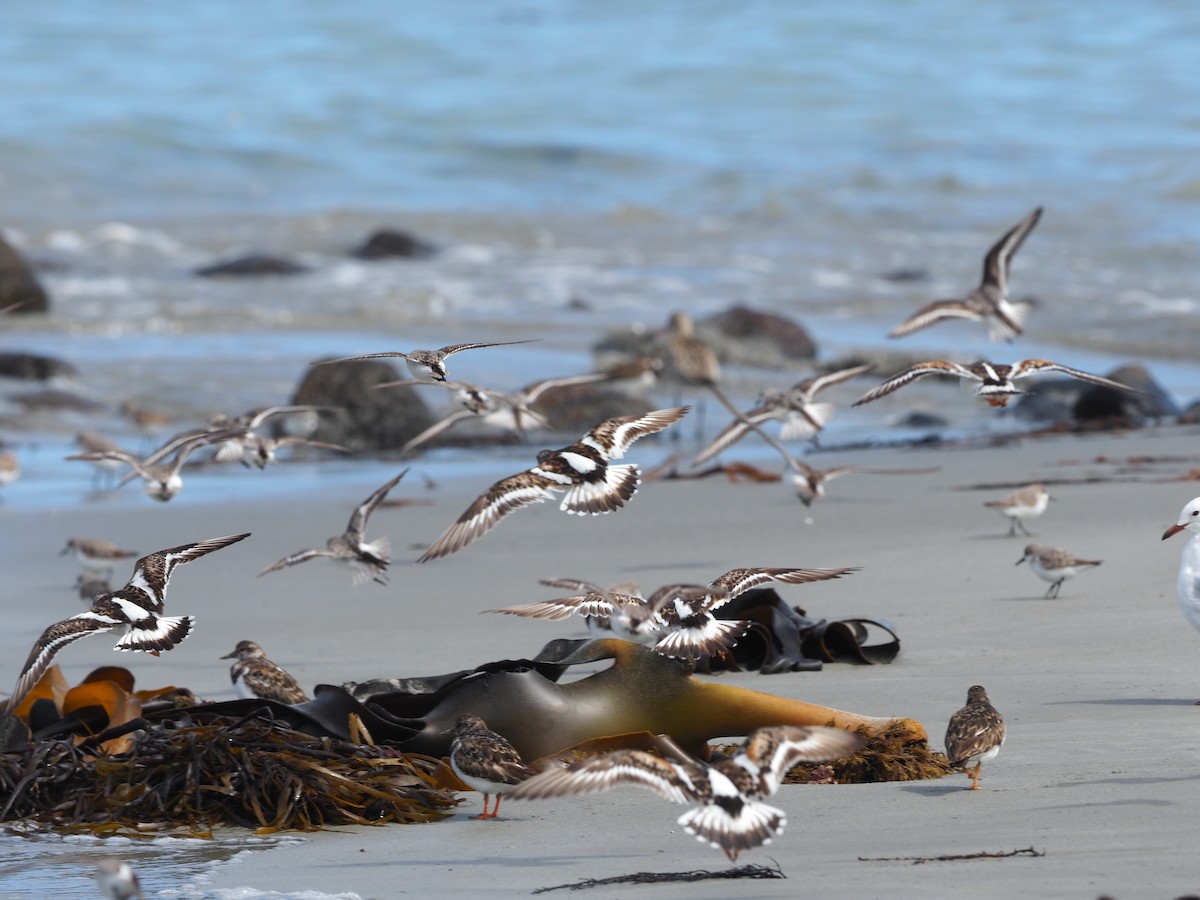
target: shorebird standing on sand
1027 503
1054 565
974 734
485 761
96 554
1187 584
426 365
989 302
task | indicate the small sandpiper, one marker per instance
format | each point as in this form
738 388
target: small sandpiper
485 761
1027 503
96 554
974 735
117 880
1054 565
256 677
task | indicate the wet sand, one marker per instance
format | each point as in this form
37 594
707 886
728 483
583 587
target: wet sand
1097 687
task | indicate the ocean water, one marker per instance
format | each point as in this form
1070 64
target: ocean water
635 158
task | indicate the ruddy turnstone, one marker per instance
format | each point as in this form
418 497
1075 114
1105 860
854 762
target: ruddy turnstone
117 880
995 379
427 365
369 559
96 554
1054 565
485 761
796 408
1187 585
1027 503
508 411
134 612
10 467
974 735
628 620
725 795
582 469
256 677
989 302
160 481
677 618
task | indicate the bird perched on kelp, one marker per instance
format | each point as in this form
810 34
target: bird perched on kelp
974 735
485 761
583 469
134 612
427 365
369 559
256 677
995 380
727 812
989 302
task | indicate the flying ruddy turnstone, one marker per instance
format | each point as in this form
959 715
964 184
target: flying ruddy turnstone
1027 503
678 617
160 480
989 302
485 761
727 812
256 677
995 379
796 408
96 554
427 365
619 610
974 735
509 411
117 880
1054 565
582 469
1187 586
369 559
134 612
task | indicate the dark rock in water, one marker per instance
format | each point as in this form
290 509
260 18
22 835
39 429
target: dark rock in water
1071 400
57 401
18 284
751 337
1191 415
387 243
919 419
366 419
252 264
579 407
33 367
905 276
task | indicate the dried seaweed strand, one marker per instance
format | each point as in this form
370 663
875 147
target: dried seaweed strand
983 854
750 871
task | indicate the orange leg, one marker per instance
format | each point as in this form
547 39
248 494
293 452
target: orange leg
485 814
975 777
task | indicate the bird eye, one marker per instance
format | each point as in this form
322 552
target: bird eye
1196 512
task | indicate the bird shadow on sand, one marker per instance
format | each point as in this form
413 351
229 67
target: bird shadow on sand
942 788
1024 599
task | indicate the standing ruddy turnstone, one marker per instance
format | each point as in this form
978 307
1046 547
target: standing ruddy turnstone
96 554
1027 503
796 408
726 812
1054 565
974 735
989 302
369 559
485 761
582 469
256 677
134 612
117 880
995 379
427 365
509 411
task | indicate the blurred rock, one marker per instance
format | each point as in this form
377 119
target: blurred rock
366 419
18 284
33 367
579 407
905 275
252 264
922 419
387 243
1071 400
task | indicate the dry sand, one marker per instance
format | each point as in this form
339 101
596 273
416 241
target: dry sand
1097 687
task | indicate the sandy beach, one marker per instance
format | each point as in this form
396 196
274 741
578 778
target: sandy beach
1097 687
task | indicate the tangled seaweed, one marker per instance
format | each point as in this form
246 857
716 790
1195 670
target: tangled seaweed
749 871
251 772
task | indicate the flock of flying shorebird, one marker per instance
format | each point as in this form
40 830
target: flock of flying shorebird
678 621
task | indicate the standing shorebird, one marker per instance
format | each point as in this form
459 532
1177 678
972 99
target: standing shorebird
485 761
727 812
1027 503
996 380
117 880
974 735
96 554
802 417
256 677
134 612
369 559
10 467
989 302
426 365
583 469
1187 584
1054 565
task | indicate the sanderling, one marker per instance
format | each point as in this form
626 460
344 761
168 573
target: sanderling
989 302
1054 565
256 677
427 365
96 554
160 481
974 734
369 559
1027 503
485 761
581 469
